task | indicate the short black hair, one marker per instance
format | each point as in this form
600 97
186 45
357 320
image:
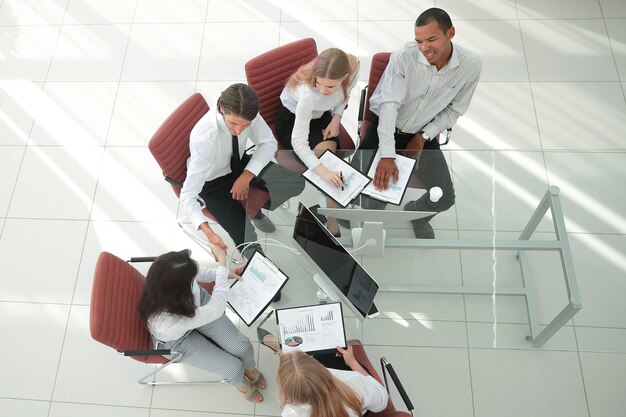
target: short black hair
435 13
240 100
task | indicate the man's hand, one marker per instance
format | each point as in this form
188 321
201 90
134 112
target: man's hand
332 130
213 238
241 187
385 169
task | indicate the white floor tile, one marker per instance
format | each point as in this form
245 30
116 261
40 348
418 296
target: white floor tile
124 240
141 107
382 36
58 409
31 370
424 307
89 53
131 187
226 61
589 196
239 11
513 336
155 412
268 364
164 52
326 34
560 125
431 377
10 161
595 339
111 11
20 102
501 116
56 182
558 9
500 188
604 375
26 51
393 10
306 11
522 383
49 263
162 11
498 43
32 12
617 37
74 114
568 50
477 9
600 263
401 332
613 8
13 407
106 377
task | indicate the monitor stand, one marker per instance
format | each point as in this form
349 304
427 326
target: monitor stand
369 240
324 290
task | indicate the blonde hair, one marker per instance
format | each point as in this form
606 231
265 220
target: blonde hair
303 380
333 64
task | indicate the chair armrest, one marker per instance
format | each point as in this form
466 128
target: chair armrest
141 259
362 104
151 352
386 366
173 182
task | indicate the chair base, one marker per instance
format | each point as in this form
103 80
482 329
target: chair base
176 357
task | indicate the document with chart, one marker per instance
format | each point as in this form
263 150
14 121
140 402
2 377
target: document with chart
314 329
261 282
353 179
396 191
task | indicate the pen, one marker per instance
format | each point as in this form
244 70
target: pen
341 176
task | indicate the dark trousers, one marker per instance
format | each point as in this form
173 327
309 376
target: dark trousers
432 169
285 121
231 215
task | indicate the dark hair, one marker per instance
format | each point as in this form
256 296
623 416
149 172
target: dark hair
434 13
240 100
167 288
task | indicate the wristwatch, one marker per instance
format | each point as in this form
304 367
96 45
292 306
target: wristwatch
425 136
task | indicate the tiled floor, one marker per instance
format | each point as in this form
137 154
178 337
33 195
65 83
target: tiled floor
84 84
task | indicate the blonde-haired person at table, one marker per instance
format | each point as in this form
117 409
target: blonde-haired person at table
312 104
309 389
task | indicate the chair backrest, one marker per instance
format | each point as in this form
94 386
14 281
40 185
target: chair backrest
170 144
268 73
379 63
113 318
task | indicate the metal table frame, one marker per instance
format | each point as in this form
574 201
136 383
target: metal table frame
523 244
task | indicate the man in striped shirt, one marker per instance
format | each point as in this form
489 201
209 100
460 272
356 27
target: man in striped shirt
427 85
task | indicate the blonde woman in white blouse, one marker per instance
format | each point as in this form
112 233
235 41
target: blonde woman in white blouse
313 102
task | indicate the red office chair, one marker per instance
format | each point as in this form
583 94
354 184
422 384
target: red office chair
390 411
268 74
170 147
114 319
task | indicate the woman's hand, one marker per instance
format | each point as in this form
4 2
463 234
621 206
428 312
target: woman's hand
235 272
332 130
332 177
219 253
348 356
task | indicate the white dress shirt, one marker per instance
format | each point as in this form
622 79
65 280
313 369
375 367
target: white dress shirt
372 394
413 96
211 150
308 103
166 326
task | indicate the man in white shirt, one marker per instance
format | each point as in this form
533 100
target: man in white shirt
219 171
427 85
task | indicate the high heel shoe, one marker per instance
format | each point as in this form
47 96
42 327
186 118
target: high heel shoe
261 333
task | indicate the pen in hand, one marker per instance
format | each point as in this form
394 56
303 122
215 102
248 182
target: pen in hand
341 177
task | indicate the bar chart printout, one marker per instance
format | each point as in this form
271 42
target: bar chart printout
312 328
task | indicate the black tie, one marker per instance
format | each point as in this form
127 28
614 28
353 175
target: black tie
235 160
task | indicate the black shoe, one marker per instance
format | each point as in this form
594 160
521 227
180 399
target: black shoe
263 223
423 229
277 297
320 217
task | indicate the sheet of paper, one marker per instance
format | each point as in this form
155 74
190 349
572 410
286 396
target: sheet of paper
311 328
354 180
395 192
261 281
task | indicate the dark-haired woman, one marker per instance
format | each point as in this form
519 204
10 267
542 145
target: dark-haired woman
182 316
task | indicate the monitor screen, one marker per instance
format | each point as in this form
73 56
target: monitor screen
335 261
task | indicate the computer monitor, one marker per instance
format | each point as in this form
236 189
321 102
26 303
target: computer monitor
355 287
